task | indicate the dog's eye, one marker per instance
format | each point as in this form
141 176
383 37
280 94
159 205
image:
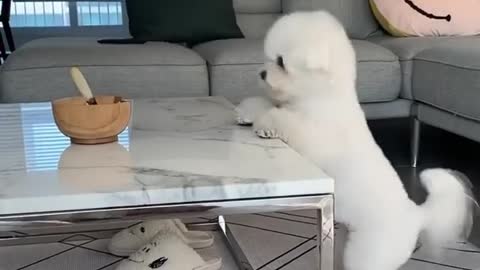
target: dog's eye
280 62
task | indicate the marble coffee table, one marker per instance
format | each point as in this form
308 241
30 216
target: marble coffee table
179 157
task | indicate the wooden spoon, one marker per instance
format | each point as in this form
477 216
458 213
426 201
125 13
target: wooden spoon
82 86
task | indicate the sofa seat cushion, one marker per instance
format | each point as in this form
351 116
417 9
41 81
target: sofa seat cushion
235 64
447 76
39 71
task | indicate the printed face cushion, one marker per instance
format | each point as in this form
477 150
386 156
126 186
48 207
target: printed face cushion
428 17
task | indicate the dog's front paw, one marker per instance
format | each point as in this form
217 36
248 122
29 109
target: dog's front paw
267 133
264 127
250 108
242 120
243 117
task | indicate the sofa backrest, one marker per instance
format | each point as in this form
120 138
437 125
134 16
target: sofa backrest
356 15
256 16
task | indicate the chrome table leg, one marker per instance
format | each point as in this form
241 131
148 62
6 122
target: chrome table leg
325 234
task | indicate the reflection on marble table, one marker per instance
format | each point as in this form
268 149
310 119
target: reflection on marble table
174 150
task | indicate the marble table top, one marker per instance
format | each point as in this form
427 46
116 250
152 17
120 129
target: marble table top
176 150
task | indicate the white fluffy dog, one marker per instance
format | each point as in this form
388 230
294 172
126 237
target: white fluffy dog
313 106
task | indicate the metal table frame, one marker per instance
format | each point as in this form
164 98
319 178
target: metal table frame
5 20
323 203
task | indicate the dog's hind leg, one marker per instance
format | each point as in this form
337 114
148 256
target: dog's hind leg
376 251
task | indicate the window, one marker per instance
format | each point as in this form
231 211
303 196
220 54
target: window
66 13
39 14
99 13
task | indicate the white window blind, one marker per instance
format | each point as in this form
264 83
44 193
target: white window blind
66 13
102 13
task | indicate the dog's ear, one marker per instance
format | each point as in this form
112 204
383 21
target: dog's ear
312 58
318 58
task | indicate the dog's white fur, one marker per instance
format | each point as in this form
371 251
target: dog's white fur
313 106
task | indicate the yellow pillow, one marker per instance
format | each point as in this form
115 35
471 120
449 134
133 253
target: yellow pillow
428 17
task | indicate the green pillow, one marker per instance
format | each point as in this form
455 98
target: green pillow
182 21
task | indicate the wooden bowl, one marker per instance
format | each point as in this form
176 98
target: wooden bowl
92 124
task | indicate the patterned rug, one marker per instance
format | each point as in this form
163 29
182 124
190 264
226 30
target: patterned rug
270 241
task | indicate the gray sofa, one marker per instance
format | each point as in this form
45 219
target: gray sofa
436 80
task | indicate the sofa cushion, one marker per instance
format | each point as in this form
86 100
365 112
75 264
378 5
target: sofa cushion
406 49
232 52
182 21
355 15
39 71
255 17
255 6
447 76
255 26
428 17
379 75
234 66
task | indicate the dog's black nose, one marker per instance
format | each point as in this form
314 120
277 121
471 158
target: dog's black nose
263 75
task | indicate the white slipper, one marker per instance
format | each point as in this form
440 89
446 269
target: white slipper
195 239
168 252
131 239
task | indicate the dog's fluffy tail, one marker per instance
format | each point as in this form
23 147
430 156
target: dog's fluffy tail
449 209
